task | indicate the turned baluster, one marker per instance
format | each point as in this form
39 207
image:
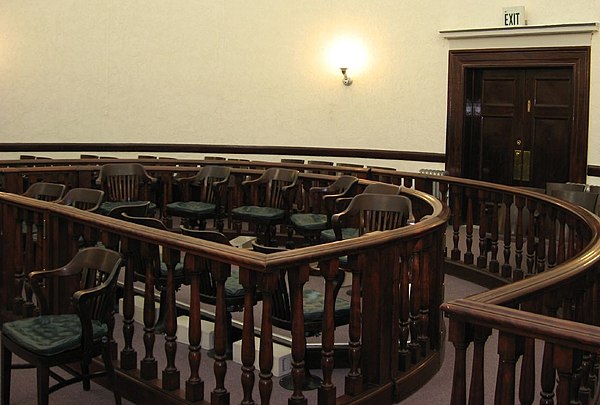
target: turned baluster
327 390
494 264
552 238
426 286
220 395
353 381
468 257
531 236
506 267
505 381
563 363
128 354
265 358
482 259
170 375
19 272
548 372
149 365
194 386
248 280
560 256
415 301
541 243
455 191
458 336
405 268
476 389
527 348
518 273
297 278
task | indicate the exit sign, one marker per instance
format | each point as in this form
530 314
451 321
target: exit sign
513 16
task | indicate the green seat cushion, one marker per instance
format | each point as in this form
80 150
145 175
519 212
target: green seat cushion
190 208
178 270
233 287
49 335
347 233
314 304
259 213
108 206
309 222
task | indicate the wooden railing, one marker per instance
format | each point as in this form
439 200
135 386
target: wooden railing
390 347
539 254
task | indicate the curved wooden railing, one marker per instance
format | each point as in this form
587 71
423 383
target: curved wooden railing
539 253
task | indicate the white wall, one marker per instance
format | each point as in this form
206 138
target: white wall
239 72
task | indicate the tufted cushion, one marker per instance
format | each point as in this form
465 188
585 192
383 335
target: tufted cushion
48 335
314 304
310 222
108 206
259 213
347 233
190 208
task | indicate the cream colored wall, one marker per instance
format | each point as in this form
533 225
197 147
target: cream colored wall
239 72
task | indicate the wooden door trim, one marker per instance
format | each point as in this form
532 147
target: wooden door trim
577 58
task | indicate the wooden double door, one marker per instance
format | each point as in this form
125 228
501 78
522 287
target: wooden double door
519 125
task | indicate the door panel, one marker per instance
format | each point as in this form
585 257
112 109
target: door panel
519 131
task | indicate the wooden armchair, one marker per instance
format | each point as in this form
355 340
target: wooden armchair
341 204
202 197
45 191
87 199
269 201
125 184
59 337
323 202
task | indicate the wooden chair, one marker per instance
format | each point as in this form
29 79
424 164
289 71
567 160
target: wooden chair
341 204
269 201
372 212
149 256
313 307
45 191
202 197
57 337
582 198
233 291
125 184
87 199
323 199
551 187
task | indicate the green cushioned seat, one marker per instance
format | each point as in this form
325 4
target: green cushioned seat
347 233
232 285
259 213
314 304
48 335
108 206
309 222
190 208
178 270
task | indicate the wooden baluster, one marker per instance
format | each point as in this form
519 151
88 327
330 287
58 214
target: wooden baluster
505 382
171 375
527 348
194 386
468 257
541 243
354 381
476 390
327 390
494 264
220 395
506 267
444 199
149 365
482 258
563 363
22 237
518 273
561 254
248 280
425 287
458 336
552 238
128 353
404 278
415 301
265 358
531 236
455 255
7 250
297 279
548 372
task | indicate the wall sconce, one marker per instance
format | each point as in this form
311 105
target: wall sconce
347 79
347 53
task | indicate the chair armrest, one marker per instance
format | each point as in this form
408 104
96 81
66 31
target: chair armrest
36 279
82 301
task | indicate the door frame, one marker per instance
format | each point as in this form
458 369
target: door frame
576 58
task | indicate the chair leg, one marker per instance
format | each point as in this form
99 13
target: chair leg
43 376
6 360
110 371
85 374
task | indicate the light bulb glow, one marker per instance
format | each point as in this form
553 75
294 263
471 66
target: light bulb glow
347 52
